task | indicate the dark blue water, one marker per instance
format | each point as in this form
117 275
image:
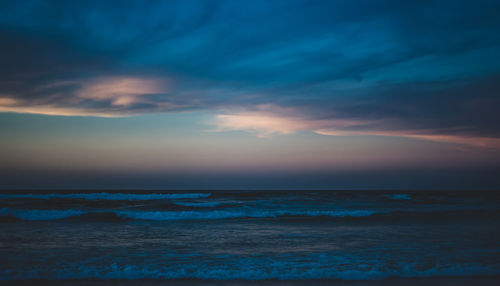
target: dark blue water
228 235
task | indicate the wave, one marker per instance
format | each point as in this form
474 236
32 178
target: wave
7 214
399 197
39 214
198 204
254 269
35 215
108 196
98 217
232 214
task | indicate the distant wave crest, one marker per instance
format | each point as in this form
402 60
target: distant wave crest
8 214
399 197
108 196
29 214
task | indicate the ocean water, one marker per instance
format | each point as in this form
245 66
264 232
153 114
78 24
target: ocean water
248 235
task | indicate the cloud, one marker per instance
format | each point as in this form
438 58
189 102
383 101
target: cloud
56 111
103 97
121 91
6 101
269 120
339 66
483 142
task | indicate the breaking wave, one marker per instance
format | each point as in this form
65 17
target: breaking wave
7 214
39 214
254 269
173 215
108 196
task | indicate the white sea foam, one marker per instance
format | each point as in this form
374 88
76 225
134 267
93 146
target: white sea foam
108 196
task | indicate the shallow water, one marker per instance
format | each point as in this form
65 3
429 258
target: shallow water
224 235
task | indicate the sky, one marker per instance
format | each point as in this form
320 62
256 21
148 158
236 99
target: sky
192 94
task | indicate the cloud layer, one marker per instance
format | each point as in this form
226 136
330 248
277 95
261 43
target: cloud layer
421 69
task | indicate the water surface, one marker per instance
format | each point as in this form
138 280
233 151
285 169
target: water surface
248 235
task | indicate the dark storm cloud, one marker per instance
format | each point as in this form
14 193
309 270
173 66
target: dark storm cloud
426 67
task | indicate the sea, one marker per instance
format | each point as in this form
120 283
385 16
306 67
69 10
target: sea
249 237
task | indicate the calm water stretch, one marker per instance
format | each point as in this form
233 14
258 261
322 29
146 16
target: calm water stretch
248 235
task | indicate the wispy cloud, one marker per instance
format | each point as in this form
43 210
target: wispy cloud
103 97
121 91
476 141
268 119
264 123
7 101
56 111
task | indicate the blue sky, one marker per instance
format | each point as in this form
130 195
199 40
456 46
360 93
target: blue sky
303 94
